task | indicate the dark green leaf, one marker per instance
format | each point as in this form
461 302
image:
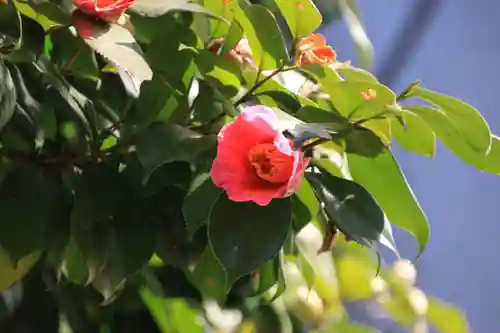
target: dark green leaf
155 8
373 166
302 16
7 95
245 235
305 205
417 137
199 202
73 264
162 143
266 276
76 104
71 54
30 201
172 242
32 42
263 35
466 119
330 120
209 277
349 206
98 195
302 133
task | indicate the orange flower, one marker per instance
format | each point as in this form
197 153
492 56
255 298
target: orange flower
314 50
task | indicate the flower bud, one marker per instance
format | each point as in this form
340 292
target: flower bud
405 272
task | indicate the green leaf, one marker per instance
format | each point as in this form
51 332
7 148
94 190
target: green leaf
118 46
163 143
223 9
199 202
305 206
7 95
446 318
272 93
76 104
30 201
72 54
245 235
31 44
209 277
417 137
348 327
98 195
347 97
73 264
232 38
13 271
263 34
155 8
373 166
467 120
303 133
350 207
302 16
330 120
266 276
453 139
307 270
351 73
172 242
171 315
354 276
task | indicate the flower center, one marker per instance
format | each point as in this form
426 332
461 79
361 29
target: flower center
270 164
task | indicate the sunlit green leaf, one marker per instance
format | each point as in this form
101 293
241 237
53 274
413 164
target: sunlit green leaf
302 16
466 119
263 35
372 165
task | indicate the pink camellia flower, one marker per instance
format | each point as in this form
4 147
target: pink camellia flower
107 10
255 161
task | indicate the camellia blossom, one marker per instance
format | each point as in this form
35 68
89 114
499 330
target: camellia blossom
255 161
314 50
107 10
241 53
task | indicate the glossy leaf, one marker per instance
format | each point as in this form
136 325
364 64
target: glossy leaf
162 143
27 214
198 204
373 166
302 16
453 139
417 137
349 206
238 233
7 94
154 8
98 195
263 35
305 205
209 277
118 46
467 120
